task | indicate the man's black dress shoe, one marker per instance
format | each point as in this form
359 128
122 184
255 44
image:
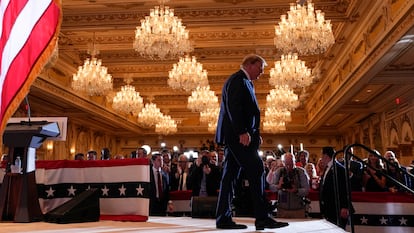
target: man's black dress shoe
231 225
269 223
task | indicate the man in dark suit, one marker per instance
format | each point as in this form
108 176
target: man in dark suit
327 198
205 178
159 187
238 130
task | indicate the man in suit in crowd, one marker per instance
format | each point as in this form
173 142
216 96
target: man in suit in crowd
327 199
180 179
205 177
159 187
238 130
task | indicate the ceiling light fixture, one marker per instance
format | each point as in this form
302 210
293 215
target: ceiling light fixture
209 115
166 125
162 35
150 115
127 100
282 97
202 99
290 71
303 30
92 78
187 74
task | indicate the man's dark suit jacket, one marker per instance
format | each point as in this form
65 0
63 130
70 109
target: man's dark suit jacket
158 206
239 112
212 180
328 198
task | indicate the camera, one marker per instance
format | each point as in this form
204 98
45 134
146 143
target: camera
287 182
205 160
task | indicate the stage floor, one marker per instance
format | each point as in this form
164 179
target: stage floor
166 224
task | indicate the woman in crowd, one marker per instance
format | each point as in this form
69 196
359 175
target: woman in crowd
373 180
313 177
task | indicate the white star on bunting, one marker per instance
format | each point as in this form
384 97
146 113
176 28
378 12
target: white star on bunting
105 191
383 220
140 190
403 221
122 191
364 220
71 191
50 192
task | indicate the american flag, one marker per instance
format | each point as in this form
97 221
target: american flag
28 34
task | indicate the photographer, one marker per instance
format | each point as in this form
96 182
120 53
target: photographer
205 178
292 185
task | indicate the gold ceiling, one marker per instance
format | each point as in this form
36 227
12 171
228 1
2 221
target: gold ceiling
369 66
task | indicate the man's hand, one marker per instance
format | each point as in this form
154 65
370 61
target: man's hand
206 169
344 213
245 139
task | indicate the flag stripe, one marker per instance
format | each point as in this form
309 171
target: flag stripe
108 206
131 173
9 13
31 33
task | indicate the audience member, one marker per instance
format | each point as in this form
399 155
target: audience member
292 185
167 165
389 155
141 153
356 170
105 154
133 154
303 158
91 155
220 157
213 157
79 156
277 163
327 196
320 168
373 180
313 177
398 173
205 178
159 187
181 179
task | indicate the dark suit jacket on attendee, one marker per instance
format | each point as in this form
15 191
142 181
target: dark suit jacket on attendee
158 206
328 198
212 180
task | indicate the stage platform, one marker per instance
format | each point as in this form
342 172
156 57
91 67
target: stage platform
166 224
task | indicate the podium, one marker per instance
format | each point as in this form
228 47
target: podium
19 200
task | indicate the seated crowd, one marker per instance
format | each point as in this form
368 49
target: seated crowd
290 176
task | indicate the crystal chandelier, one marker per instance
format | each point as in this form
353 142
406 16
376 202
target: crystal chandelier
187 74
290 71
162 35
166 126
282 97
212 126
201 99
274 126
150 115
277 114
92 78
127 100
209 115
303 30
